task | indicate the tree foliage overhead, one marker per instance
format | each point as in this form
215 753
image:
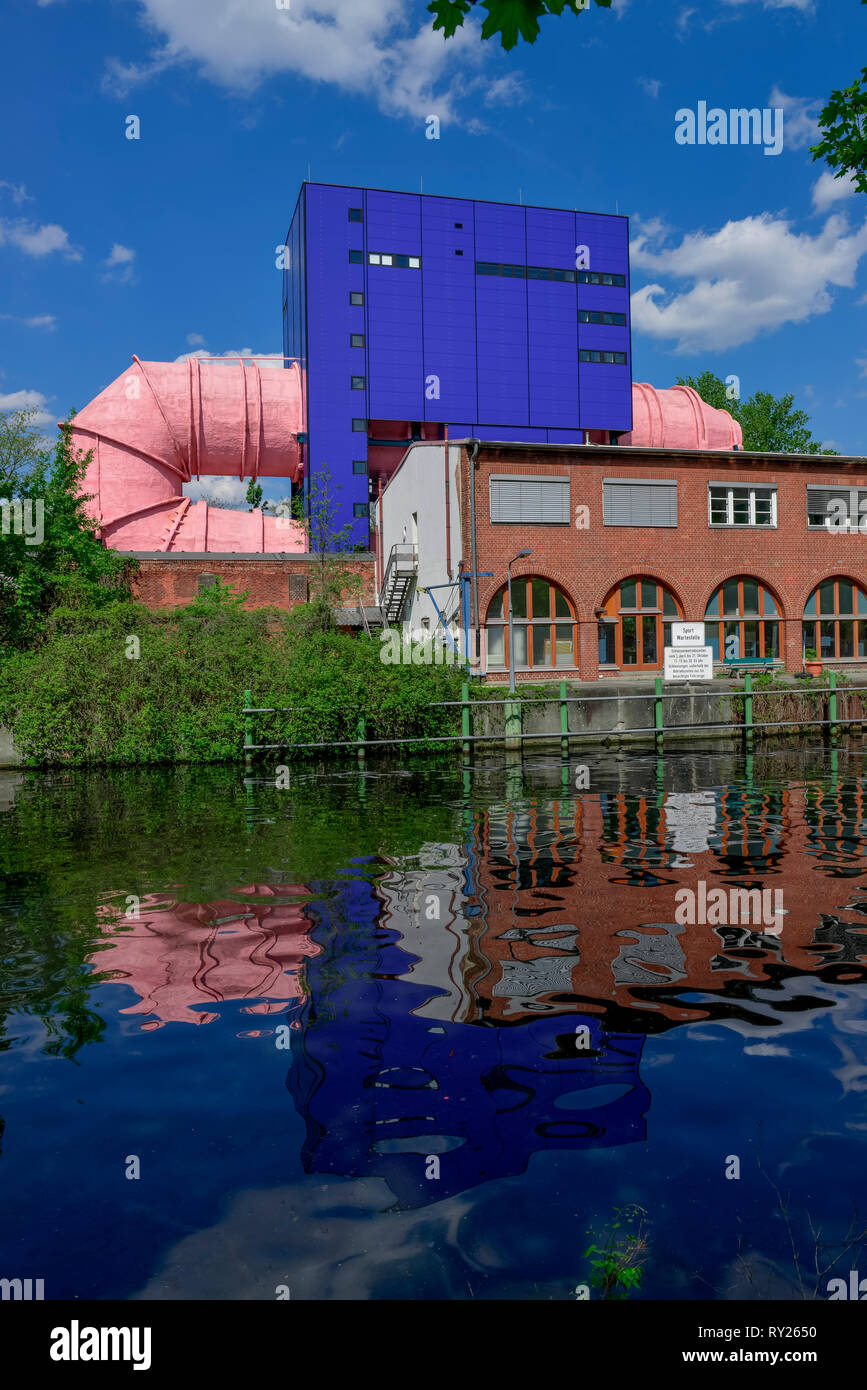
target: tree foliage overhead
511 19
770 424
843 123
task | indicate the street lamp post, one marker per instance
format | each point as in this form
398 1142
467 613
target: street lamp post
520 555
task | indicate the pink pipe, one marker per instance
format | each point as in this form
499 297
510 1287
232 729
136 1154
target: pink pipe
162 423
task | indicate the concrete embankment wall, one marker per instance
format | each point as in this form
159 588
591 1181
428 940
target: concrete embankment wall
9 754
618 717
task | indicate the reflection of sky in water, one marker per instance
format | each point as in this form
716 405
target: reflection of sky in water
495 999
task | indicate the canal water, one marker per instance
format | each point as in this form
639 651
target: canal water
423 1032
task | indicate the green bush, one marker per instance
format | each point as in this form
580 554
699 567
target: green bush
84 696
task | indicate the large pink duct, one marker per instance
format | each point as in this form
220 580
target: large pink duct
161 424
678 418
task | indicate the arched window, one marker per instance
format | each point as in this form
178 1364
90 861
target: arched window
742 619
636 626
543 623
835 621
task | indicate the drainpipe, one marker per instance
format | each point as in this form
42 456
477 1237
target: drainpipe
475 446
448 509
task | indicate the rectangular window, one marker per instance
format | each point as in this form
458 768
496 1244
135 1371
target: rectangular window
638 503
597 316
356 215
357 383
459 253
356 297
360 509
592 355
836 508
359 426
374 258
414 262
543 501
459 224
359 465
356 340
356 257
391 258
742 505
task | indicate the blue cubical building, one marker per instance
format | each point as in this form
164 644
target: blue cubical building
411 312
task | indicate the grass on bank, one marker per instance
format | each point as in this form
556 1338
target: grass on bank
83 696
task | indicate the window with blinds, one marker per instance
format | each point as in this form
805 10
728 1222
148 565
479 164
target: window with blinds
835 508
633 503
530 500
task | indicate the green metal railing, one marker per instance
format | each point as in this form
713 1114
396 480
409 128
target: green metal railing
467 738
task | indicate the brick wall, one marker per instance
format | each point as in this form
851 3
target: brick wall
691 560
167 581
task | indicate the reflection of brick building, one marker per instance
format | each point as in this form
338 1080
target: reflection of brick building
610 872
180 956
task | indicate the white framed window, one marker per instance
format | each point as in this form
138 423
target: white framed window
388 260
374 258
742 504
414 262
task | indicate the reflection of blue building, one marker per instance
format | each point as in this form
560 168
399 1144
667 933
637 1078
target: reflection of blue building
410 312
381 1087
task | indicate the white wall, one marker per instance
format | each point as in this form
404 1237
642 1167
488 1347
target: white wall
419 486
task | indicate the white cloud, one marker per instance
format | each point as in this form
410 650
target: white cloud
17 192
29 400
805 6
827 189
218 489
46 321
651 85
749 278
365 47
37 241
800 117
195 340
119 264
265 359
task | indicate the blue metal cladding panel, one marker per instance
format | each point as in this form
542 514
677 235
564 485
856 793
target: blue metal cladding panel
332 403
553 321
510 433
394 309
606 397
449 307
501 317
606 390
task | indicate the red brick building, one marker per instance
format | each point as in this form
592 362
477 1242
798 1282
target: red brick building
765 549
172 578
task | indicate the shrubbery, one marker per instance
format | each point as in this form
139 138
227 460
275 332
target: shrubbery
78 698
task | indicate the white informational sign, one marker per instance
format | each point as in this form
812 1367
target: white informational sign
687 635
688 664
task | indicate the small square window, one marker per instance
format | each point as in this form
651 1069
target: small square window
374 258
356 340
356 257
361 509
459 253
387 260
359 465
402 261
356 297
357 383
459 224
359 426
414 262
356 215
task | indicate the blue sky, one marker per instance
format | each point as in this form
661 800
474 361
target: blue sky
742 262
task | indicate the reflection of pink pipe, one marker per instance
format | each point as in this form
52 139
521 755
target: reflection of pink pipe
176 956
162 423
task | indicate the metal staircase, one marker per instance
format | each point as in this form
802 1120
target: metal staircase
398 581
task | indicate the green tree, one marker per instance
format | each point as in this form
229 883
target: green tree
331 580
511 19
254 495
50 552
21 447
770 423
843 124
